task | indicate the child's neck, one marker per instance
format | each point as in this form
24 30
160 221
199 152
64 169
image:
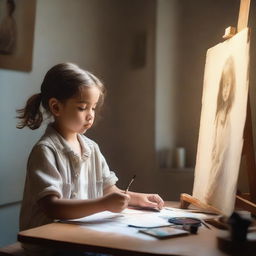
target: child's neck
71 138
76 147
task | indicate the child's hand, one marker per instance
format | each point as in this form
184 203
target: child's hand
116 202
149 200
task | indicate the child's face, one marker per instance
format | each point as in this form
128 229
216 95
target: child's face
226 87
77 114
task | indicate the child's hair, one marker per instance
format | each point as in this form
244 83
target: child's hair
63 81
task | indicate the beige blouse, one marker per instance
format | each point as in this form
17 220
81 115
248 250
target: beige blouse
55 169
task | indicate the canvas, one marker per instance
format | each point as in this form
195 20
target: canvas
223 115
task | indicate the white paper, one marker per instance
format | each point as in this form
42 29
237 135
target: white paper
138 218
118 222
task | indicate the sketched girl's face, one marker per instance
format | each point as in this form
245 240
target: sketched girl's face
227 83
226 93
227 87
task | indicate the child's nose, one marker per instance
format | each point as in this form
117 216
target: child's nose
89 117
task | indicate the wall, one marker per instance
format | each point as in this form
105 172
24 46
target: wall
9 223
193 27
130 130
100 36
166 45
201 26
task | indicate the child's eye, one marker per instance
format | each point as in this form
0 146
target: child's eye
81 109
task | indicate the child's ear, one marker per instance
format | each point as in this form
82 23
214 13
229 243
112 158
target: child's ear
54 106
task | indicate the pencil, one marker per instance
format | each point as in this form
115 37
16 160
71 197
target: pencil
203 222
128 187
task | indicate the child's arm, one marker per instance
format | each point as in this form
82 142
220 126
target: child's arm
139 199
57 208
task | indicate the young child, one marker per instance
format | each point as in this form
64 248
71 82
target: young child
67 176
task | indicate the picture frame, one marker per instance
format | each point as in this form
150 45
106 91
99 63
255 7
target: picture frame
17 23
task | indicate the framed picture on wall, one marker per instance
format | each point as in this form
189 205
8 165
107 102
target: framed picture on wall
17 22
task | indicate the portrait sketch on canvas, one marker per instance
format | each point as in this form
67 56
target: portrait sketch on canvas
222 126
223 115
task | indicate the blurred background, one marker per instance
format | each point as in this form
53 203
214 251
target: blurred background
150 54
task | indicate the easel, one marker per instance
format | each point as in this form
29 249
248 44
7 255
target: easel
246 201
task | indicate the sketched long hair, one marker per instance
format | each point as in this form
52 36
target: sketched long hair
228 70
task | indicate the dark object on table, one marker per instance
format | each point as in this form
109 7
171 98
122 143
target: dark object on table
238 227
191 228
236 242
189 224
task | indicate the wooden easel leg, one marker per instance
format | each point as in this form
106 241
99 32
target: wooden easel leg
184 201
246 204
248 152
243 16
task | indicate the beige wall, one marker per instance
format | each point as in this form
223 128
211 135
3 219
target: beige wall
165 92
195 26
126 133
201 25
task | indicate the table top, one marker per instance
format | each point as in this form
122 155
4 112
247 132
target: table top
79 237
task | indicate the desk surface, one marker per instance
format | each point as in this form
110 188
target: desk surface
76 237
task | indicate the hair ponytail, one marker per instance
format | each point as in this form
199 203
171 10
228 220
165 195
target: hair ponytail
31 115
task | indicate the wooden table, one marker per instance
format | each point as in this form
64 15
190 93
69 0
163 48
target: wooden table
76 237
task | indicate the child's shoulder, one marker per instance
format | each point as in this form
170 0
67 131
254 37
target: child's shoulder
43 148
45 142
50 139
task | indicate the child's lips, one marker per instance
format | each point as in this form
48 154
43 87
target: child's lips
87 125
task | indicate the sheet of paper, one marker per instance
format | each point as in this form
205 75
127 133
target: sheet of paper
113 222
127 217
118 222
97 218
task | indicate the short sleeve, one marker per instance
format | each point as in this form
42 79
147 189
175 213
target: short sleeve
43 176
